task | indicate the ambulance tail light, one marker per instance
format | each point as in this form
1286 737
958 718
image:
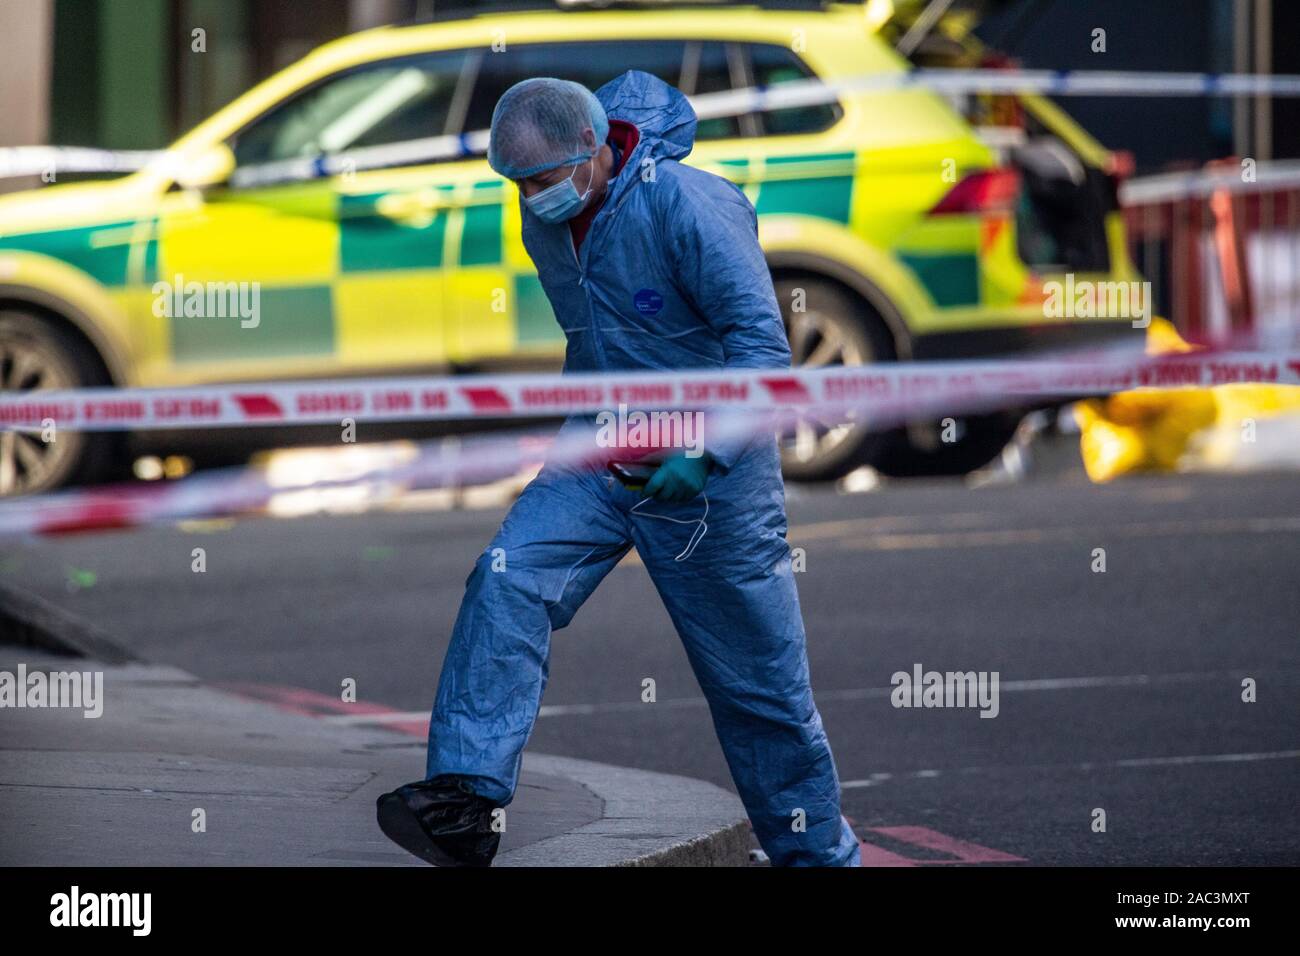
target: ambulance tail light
985 191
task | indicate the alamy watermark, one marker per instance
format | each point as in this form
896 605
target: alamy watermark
1086 299
638 429
82 690
75 908
946 689
209 300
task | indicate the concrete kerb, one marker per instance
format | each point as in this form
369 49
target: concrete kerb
645 818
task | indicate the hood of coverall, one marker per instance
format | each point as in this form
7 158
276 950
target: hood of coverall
630 299
661 114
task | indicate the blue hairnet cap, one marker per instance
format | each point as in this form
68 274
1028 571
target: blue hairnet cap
537 125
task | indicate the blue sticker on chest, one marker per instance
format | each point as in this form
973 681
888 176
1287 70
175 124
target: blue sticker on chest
648 302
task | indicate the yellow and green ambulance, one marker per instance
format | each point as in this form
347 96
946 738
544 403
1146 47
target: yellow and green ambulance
894 228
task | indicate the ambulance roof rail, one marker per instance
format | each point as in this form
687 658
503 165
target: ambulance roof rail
446 10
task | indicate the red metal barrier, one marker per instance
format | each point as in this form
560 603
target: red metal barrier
1221 247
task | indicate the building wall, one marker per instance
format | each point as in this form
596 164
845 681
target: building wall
110 83
134 74
1163 36
130 74
24 76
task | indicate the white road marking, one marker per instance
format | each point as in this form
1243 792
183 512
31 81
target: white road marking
1009 536
859 693
875 779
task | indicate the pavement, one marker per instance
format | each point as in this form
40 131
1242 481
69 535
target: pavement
178 773
1121 691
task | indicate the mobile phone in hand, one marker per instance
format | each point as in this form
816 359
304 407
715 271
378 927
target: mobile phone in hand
632 475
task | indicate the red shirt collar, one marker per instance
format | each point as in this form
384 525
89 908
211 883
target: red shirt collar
623 136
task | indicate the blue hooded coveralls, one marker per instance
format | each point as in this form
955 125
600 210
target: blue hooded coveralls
670 276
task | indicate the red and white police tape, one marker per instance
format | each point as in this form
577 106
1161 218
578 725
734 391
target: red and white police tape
919 386
742 402
230 491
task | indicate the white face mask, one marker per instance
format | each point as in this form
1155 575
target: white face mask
561 201
696 537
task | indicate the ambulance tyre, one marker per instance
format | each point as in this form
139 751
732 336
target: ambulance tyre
954 446
827 325
38 352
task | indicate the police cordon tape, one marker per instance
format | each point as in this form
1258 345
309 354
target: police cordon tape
742 403
242 491
1275 176
36 160
811 92
39 160
867 389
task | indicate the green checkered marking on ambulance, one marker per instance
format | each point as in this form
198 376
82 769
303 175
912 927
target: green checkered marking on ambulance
481 240
99 251
534 318
815 194
290 322
369 242
951 278
151 258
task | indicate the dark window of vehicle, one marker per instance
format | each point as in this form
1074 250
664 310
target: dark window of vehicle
708 69
373 105
593 64
773 65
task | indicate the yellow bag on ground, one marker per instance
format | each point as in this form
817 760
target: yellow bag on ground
1159 429
1256 426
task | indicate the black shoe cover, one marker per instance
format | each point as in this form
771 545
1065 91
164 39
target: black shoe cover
442 821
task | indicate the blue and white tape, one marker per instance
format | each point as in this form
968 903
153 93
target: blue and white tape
35 160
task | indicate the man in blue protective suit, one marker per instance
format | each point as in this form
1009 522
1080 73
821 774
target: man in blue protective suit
648 264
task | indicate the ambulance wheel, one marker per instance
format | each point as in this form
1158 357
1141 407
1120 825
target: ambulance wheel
953 446
827 325
37 354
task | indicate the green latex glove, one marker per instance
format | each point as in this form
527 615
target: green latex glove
678 479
